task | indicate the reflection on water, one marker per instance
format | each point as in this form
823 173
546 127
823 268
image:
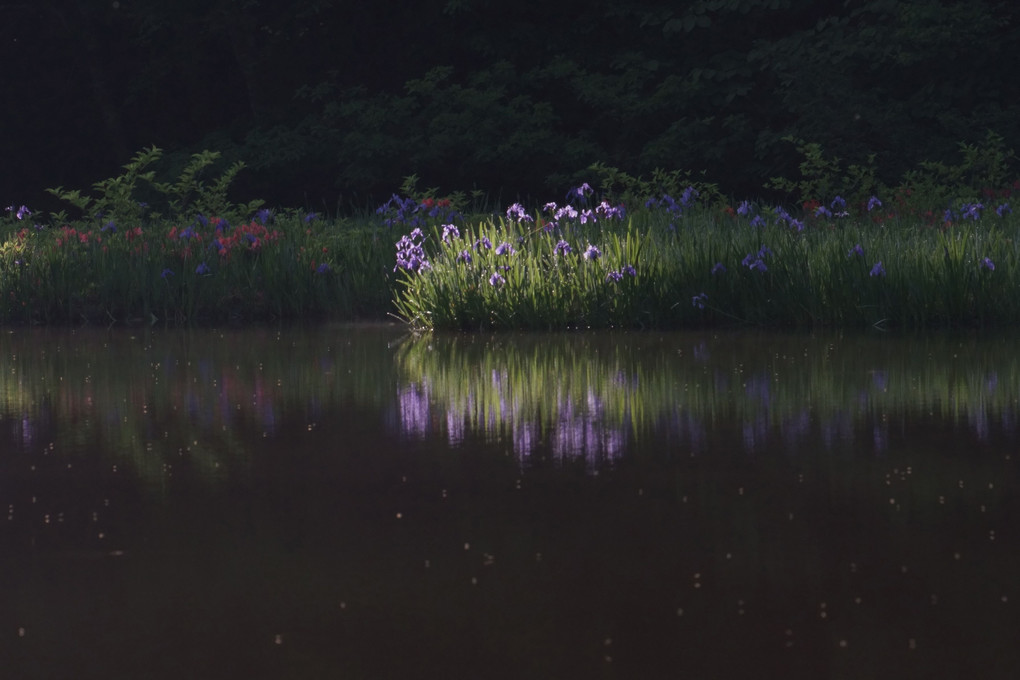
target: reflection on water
351 501
581 397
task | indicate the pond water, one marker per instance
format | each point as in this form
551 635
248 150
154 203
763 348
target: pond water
357 502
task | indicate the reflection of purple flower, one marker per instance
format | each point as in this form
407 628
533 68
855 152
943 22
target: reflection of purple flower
415 412
879 380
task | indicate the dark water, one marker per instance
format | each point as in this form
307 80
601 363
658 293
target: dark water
354 503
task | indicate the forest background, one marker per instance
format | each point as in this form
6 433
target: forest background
331 103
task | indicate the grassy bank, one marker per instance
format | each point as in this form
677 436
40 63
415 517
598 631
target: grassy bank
663 267
661 254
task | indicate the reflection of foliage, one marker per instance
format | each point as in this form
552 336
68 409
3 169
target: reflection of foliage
201 397
539 390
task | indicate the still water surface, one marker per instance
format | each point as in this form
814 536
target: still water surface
356 502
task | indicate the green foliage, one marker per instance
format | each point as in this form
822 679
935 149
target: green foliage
116 196
120 198
618 186
822 177
983 168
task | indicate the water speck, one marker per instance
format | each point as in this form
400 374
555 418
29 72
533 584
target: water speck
467 546
842 644
343 605
21 632
911 644
278 639
400 515
679 611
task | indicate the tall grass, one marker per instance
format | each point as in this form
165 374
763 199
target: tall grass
707 267
204 271
195 256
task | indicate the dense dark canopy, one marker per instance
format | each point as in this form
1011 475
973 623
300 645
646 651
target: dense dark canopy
337 100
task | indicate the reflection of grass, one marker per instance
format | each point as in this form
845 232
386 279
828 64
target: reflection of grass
791 385
197 396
